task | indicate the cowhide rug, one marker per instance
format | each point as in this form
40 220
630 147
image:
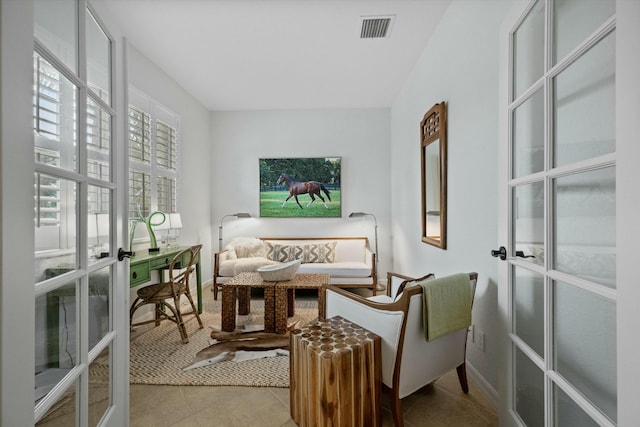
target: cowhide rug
242 345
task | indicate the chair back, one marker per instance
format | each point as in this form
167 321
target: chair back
181 267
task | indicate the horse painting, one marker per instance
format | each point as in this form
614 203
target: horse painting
312 188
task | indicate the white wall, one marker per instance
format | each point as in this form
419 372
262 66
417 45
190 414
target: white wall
459 66
360 137
194 197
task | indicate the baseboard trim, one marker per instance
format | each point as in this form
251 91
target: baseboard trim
487 390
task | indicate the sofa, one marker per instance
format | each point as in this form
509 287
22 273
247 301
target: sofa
348 260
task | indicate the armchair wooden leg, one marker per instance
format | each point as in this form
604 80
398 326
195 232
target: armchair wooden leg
462 377
396 408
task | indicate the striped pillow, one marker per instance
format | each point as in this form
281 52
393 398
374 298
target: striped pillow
312 253
319 252
283 253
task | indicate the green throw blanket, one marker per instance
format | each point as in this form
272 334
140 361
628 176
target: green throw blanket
446 305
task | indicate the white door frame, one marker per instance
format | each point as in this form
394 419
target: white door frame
17 310
627 207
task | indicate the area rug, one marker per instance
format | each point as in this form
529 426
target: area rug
158 356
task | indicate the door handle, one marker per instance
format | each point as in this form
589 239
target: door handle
501 252
122 254
522 255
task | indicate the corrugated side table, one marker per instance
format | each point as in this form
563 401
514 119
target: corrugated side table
335 375
285 296
242 284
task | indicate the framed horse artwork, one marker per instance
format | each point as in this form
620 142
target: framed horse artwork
306 187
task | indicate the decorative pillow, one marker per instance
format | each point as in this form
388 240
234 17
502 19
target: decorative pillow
319 252
247 247
312 253
230 254
283 253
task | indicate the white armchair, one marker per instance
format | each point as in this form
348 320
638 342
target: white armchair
409 362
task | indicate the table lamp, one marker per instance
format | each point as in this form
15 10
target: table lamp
175 224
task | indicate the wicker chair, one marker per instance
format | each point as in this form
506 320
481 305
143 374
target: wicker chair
180 270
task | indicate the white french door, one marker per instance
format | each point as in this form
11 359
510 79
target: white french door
80 337
559 278
64 328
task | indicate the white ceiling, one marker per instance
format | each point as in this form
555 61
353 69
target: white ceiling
279 54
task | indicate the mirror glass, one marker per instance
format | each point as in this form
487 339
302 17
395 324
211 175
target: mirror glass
433 164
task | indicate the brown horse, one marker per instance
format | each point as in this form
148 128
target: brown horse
310 187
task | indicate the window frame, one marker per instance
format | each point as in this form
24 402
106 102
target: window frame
159 116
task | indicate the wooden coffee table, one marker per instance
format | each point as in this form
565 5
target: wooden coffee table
279 298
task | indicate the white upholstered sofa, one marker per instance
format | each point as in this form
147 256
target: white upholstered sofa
348 260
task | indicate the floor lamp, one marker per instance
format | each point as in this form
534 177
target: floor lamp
375 221
237 215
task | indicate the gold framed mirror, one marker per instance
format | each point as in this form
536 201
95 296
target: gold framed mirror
433 164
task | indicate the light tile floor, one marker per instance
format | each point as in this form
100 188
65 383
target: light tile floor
440 404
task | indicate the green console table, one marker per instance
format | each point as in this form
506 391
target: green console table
143 262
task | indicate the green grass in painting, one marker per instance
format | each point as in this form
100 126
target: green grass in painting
271 205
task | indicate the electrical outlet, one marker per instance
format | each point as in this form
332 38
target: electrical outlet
481 340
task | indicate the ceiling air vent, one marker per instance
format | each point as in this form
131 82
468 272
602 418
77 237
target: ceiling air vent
376 27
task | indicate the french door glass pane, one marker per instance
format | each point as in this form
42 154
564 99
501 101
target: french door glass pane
584 106
98 141
55 212
55 26
528 136
54 116
99 388
575 20
528 308
98 60
567 414
99 287
529 390
528 211
528 51
98 221
56 332
63 412
585 225
584 344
